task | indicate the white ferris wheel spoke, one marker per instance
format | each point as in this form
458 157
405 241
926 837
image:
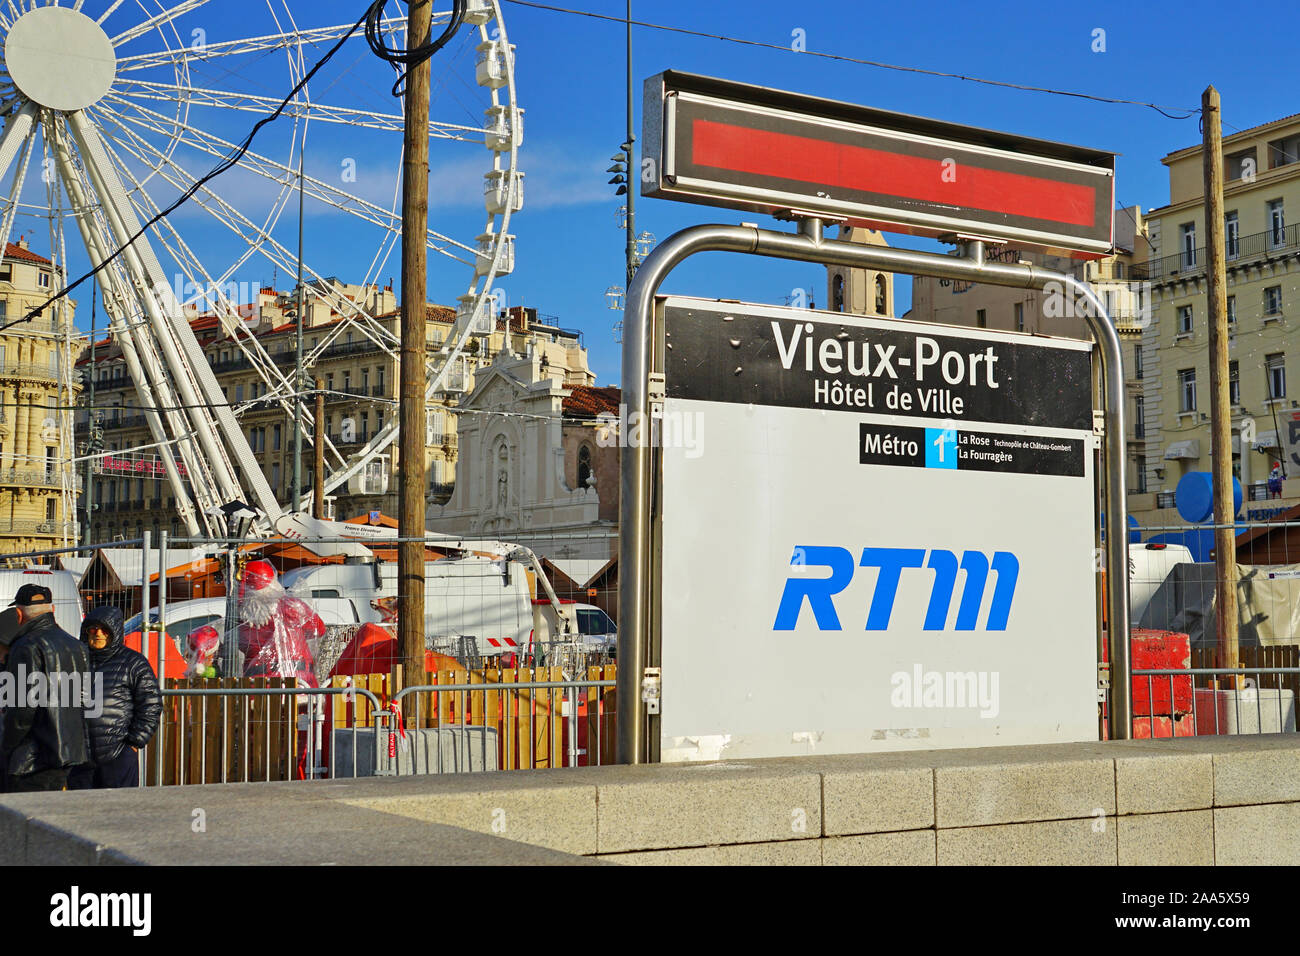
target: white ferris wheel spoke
109 12
162 19
273 41
256 237
15 191
250 103
281 174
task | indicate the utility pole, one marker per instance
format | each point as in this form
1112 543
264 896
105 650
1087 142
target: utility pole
297 365
318 490
415 226
1225 552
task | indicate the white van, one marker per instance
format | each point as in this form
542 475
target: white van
68 608
486 599
1148 566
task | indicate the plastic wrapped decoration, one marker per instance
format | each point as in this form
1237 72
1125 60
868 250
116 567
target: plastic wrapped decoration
202 645
277 631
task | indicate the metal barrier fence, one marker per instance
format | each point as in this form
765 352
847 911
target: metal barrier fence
1218 700
230 734
259 729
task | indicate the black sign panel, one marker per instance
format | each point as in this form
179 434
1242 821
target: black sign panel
963 450
814 360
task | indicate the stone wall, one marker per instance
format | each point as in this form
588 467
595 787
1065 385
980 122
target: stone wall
1199 801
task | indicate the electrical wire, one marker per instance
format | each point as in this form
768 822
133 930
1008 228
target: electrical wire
216 171
1167 111
408 56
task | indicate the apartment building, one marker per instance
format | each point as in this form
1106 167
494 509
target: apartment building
37 482
1262 187
360 380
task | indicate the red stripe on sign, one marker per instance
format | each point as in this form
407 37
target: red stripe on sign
494 642
817 162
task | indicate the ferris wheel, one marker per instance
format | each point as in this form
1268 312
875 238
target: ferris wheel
122 106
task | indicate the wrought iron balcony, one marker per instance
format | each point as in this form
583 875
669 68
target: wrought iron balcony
1259 245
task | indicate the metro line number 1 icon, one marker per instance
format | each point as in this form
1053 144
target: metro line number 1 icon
940 448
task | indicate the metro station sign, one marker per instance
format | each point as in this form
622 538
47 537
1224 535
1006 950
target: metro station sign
722 143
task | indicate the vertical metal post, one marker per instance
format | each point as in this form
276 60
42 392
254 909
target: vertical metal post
160 738
318 446
633 174
297 366
162 604
144 596
90 420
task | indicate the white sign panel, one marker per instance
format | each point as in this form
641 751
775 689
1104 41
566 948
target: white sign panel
880 536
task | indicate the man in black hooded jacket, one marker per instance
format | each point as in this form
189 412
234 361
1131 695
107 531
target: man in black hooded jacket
131 705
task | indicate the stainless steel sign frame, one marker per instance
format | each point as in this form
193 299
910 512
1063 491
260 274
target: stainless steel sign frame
642 679
749 147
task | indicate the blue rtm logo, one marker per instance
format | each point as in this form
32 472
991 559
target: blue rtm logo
820 592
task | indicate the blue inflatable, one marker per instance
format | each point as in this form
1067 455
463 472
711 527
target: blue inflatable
1195 497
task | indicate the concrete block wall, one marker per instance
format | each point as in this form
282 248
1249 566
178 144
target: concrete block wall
1193 801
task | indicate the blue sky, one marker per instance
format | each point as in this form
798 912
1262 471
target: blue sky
571 84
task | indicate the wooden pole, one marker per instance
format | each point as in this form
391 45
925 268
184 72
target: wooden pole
1225 551
415 225
318 490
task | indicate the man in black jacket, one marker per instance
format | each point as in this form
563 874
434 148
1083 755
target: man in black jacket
45 730
131 705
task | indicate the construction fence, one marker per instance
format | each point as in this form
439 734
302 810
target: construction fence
257 729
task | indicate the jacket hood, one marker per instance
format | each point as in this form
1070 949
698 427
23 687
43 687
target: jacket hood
110 619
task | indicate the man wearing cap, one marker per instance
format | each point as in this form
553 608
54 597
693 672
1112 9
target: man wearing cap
44 735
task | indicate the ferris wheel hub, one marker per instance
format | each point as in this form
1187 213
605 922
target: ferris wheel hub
60 58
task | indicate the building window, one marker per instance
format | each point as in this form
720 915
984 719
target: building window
1232 309
981 318
584 465
275 478
1276 365
43 280
380 373
1139 418
1187 390
1020 316
1118 269
1141 474
1189 244
837 293
1273 300
1230 235
1137 362
1234 384
1184 319
882 298
275 438
1276 224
